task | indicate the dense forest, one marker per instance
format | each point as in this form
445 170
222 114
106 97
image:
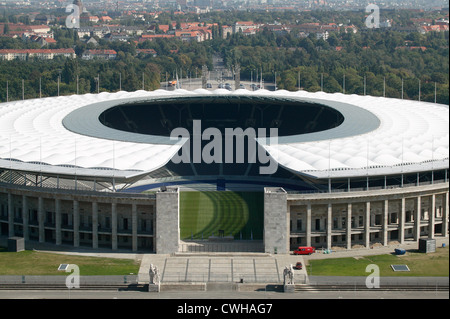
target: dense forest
384 60
381 59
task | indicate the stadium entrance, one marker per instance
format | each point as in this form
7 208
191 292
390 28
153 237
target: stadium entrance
224 221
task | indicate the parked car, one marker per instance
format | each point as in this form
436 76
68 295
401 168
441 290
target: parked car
298 266
304 250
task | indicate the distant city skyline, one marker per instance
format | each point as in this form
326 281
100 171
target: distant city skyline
329 4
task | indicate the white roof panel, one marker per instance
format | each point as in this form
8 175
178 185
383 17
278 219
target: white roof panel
409 136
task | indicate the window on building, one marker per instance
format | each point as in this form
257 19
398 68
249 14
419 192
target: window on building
299 224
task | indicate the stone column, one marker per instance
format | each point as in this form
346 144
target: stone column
114 226
445 216
76 223
308 224
58 221
401 232
367 226
385 222
432 217
10 216
134 226
417 214
154 227
349 226
276 221
329 225
41 220
167 221
94 225
25 217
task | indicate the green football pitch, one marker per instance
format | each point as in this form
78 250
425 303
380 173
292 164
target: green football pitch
203 214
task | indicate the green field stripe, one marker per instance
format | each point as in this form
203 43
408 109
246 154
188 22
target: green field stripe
255 221
234 213
211 227
192 215
205 214
190 218
241 213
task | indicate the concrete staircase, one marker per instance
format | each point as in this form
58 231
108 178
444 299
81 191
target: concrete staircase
220 268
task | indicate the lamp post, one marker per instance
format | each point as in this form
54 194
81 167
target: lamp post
97 79
419 90
321 82
364 85
343 84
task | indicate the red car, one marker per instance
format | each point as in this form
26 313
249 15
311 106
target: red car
304 250
298 266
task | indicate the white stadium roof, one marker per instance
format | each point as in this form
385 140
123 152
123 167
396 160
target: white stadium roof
398 136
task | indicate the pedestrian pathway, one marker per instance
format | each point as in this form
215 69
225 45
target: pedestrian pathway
376 250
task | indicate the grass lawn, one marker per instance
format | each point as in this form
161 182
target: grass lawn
420 265
30 262
203 214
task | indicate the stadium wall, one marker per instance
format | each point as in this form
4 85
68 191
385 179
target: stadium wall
348 220
78 218
140 222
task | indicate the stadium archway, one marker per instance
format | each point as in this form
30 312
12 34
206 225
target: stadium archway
221 221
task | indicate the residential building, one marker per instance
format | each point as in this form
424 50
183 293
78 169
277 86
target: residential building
99 54
151 52
434 28
226 30
242 26
44 54
151 37
322 35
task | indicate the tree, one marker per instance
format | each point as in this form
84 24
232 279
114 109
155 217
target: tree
153 72
287 81
70 71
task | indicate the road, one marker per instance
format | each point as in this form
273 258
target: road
219 75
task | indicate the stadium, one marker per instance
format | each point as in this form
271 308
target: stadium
318 169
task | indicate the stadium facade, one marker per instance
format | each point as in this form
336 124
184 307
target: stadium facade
98 170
